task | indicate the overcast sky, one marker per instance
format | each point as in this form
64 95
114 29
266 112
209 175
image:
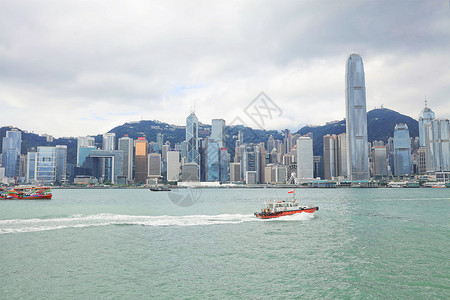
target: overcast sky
70 68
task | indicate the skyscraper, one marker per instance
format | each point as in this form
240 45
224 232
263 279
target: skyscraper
192 139
126 145
160 141
379 161
437 143
46 165
61 162
224 160
402 150
141 165
250 161
356 120
173 166
109 141
85 144
218 131
213 165
425 117
31 167
11 149
305 165
154 165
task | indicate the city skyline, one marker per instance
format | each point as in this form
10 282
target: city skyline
63 65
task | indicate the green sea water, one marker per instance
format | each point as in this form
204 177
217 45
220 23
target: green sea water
206 244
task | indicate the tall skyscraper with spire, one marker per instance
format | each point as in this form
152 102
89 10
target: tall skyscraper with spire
425 117
356 119
192 139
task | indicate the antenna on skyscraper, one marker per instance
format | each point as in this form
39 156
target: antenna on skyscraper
426 102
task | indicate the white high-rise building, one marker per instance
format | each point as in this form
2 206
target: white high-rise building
356 119
173 165
109 141
305 166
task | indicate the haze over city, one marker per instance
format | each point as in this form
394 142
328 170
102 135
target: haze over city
77 68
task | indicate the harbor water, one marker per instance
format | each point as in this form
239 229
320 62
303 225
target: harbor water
206 243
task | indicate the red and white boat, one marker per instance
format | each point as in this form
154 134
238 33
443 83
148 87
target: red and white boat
28 193
276 209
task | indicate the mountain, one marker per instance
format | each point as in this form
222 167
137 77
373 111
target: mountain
380 122
380 126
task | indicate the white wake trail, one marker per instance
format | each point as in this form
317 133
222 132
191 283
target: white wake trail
80 221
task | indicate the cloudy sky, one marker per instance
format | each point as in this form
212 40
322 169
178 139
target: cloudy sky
70 68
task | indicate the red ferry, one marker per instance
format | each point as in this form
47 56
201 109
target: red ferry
29 193
276 209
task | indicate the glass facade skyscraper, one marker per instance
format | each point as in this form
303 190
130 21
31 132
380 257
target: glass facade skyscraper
218 131
11 149
425 117
213 160
356 120
46 165
224 165
84 145
192 139
126 146
61 162
402 150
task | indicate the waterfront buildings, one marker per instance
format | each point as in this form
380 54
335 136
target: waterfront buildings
356 120
402 151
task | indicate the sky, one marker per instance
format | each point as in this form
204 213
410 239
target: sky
73 68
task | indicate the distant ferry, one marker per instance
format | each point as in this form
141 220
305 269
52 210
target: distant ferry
28 193
276 209
159 189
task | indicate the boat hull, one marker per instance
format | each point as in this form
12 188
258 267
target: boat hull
264 215
31 197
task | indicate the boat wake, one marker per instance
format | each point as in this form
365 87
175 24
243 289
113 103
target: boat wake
81 221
